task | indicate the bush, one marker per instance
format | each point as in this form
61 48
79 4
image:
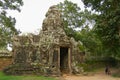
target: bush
96 63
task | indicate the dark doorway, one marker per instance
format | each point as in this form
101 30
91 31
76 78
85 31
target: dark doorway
64 59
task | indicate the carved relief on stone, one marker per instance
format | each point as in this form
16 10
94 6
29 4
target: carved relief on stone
38 55
44 48
20 56
16 41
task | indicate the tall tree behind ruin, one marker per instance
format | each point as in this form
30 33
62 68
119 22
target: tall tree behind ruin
73 16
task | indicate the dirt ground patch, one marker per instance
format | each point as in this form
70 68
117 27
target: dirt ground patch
94 77
99 75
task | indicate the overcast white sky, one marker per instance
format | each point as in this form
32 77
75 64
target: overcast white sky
30 19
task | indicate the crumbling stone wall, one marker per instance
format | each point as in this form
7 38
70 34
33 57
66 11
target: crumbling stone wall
5 59
41 54
4 62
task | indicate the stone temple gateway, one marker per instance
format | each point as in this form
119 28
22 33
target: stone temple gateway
51 52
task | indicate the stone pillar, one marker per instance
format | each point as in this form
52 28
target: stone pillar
69 60
59 58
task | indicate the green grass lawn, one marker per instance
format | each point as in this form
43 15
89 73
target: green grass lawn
5 77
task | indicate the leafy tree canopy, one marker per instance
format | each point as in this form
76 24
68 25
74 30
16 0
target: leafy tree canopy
107 23
74 17
7 23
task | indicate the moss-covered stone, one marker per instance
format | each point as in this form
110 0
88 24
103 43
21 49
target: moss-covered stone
51 52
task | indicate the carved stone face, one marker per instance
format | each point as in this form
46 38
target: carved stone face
44 47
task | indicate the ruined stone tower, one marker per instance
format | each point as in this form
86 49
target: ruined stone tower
51 52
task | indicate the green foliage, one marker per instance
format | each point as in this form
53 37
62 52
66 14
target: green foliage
6 77
77 24
74 18
7 23
95 63
70 13
117 74
107 24
90 43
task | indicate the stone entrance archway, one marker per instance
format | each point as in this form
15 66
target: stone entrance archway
64 59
